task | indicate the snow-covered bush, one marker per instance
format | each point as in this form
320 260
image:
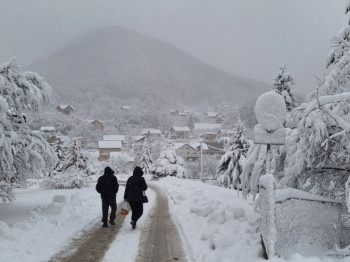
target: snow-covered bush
120 163
23 153
68 180
169 164
229 168
210 163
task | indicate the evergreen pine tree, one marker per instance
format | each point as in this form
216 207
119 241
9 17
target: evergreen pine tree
146 158
169 164
60 154
229 168
76 157
282 85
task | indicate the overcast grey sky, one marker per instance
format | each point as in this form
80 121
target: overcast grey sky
251 38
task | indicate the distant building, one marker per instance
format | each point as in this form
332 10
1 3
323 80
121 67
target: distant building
52 139
151 132
125 108
120 138
65 109
209 136
191 151
106 147
47 129
211 114
178 132
96 125
219 120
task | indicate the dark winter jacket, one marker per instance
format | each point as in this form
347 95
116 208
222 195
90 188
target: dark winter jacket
134 186
107 185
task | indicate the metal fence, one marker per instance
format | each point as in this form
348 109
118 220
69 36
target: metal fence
302 223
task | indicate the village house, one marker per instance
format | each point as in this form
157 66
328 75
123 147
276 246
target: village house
125 108
219 120
120 138
209 136
65 109
47 129
180 132
106 147
52 139
225 132
96 125
190 151
151 133
211 115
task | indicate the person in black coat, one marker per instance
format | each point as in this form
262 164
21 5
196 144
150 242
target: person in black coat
135 186
107 185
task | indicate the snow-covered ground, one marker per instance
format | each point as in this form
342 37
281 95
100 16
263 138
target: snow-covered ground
218 225
215 224
125 246
41 222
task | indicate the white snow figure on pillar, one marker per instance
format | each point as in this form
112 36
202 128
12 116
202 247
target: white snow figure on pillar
23 153
229 168
270 111
169 164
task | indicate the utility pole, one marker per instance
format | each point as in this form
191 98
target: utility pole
202 161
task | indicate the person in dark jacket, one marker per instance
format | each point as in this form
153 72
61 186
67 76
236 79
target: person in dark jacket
135 186
107 185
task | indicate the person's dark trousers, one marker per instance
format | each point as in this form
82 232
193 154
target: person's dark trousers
106 203
137 210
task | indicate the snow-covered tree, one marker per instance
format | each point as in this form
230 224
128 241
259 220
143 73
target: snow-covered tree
60 154
76 157
322 136
282 85
75 169
146 158
210 163
229 168
23 153
169 164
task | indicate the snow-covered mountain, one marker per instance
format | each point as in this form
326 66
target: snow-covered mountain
110 66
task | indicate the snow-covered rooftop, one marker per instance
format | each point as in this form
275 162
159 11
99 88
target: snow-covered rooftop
181 129
212 114
65 106
109 144
145 131
113 137
206 126
47 128
137 138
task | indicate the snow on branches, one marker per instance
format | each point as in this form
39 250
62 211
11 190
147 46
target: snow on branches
229 168
23 153
169 164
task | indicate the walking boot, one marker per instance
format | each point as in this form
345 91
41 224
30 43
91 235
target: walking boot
112 223
105 224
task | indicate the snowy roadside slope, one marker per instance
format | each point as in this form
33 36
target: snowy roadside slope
216 225
39 223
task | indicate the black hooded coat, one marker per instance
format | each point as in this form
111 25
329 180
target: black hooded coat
134 186
107 185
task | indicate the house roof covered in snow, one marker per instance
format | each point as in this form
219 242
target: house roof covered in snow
145 131
47 128
206 126
137 138
65 106
194 145
113 137
109 144
212 114
181 129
